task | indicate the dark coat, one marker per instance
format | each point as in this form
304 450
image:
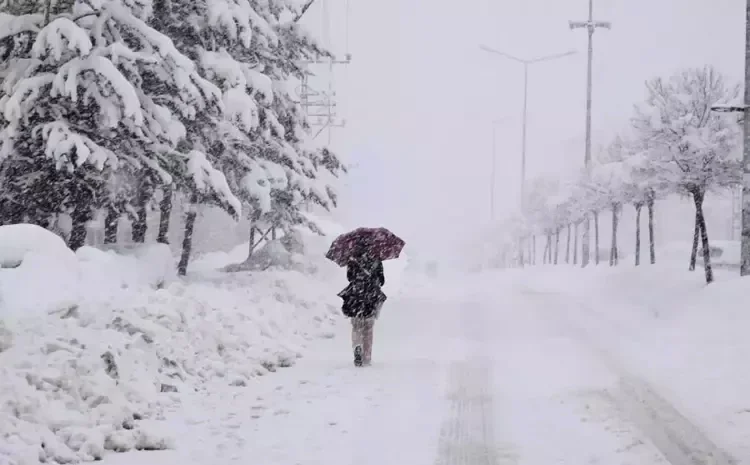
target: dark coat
363 296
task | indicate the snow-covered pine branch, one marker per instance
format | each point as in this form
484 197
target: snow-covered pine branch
98 86
252 52
210 183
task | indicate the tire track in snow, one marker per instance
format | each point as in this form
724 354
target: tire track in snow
679 440
467 435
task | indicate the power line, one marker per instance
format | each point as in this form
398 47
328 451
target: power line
321 106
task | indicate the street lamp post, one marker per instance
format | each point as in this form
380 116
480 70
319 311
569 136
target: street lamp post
525 64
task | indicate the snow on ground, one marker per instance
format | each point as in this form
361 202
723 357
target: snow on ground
324 411
687 339
493 368
529 367
99 362
38 272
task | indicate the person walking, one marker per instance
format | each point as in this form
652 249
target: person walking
362 251
363 299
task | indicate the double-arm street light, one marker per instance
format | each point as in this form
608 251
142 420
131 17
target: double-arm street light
525 63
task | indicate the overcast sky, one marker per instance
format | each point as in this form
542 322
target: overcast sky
419 95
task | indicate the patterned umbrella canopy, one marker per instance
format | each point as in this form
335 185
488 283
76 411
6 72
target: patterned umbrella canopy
377 242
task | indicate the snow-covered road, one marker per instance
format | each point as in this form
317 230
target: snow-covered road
494 376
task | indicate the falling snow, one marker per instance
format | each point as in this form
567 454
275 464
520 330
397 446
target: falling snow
183 280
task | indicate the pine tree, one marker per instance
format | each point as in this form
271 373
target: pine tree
93 97
252 50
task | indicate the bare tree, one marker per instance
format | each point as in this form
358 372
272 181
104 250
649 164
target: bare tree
692 147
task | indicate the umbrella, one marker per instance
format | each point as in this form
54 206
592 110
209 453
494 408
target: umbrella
378 242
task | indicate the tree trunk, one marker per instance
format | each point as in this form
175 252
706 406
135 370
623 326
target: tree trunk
111 223
596 236
557 245
696 235
165 212
520 253
80 216
638 208
698 198
550 247
586 242
251 247
614 258
617 227
140 225
613 242
575 245
546 253
651 239
567 247
187 241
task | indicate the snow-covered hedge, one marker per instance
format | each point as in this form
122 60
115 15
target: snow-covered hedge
97 372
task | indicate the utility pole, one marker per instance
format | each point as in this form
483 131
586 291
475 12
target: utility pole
745 185
745 263
524 114
320 106
591 27
321 110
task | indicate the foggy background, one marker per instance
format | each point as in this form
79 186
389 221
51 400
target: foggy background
420 96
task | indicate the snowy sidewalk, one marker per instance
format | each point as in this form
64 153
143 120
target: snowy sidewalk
495 377
324 410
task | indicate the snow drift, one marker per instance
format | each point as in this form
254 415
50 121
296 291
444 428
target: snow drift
109 353
38 272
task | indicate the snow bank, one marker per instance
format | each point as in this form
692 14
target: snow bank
44 276
149 266
38 272
101 374
19 240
